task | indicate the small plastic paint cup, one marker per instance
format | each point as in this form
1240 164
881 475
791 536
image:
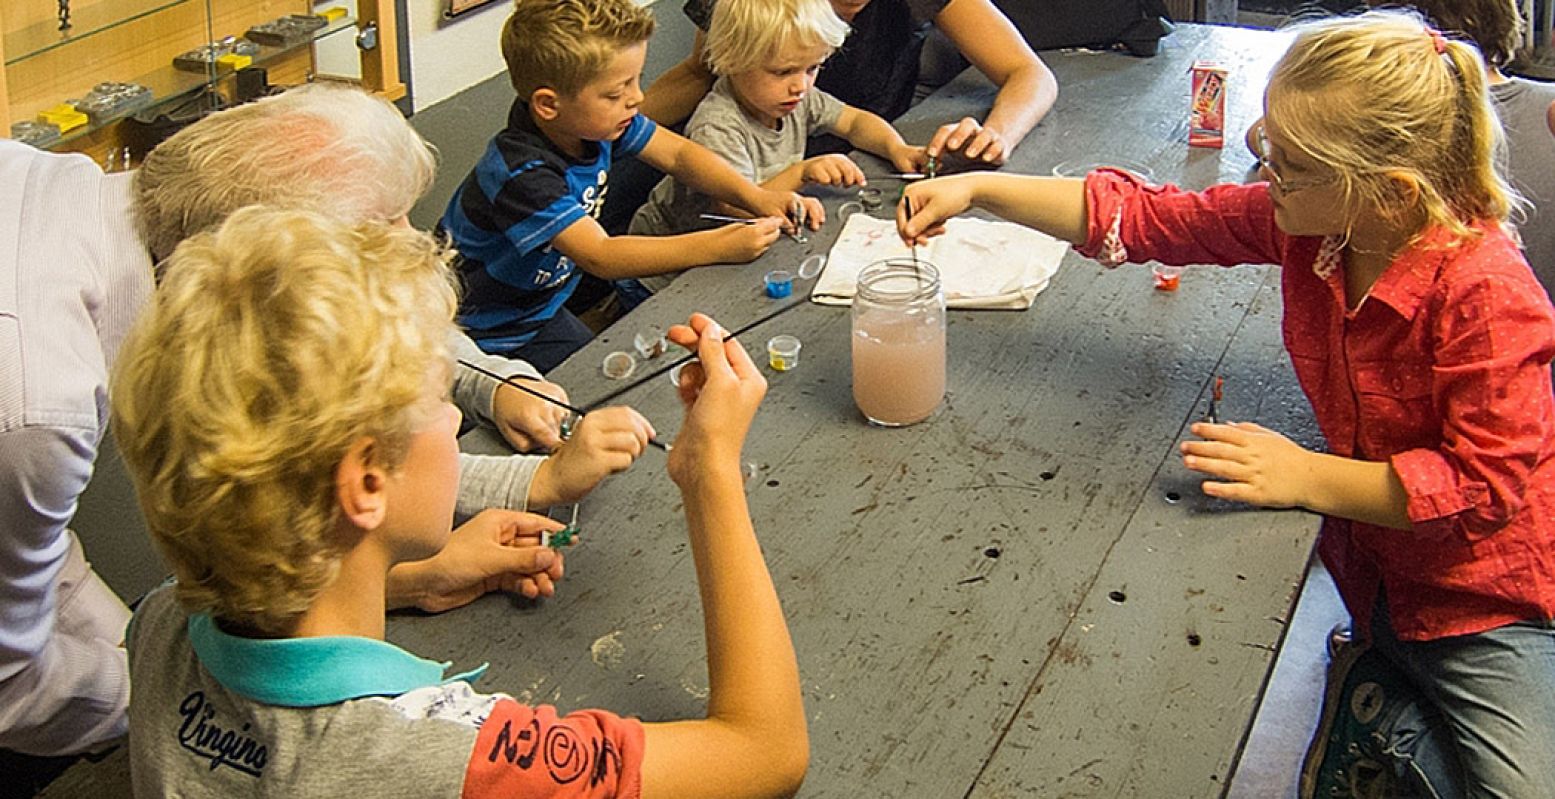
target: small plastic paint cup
619 365
811 267
870 198
649 343
780 283
1167 278
848 209
783 352
675 374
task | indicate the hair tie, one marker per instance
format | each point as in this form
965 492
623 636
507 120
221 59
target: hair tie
1437 40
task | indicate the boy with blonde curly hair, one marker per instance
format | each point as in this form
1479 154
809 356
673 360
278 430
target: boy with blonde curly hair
283 409
524 221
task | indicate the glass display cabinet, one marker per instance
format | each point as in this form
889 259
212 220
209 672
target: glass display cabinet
76 70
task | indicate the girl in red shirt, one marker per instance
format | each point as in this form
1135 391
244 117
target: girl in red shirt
1424 343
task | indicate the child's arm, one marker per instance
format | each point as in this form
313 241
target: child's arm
702 170
1055 206
864 131
1261 467
606 442
495 550
753 742
870 133
616 257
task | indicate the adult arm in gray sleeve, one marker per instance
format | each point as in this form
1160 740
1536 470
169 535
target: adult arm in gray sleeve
473 391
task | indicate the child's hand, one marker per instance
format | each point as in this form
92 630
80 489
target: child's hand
832 170
738 242
496 550
1256 465
721 391
605 442
973 141
814 212
926 205
779 204
905 157
526 421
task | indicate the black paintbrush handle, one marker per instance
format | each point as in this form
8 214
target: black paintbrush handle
652 442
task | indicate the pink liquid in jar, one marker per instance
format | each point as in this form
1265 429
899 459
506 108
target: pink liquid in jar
898 368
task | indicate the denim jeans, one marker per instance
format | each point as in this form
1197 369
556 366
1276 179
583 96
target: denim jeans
1486 727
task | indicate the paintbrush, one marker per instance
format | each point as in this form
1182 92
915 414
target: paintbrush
725 218
652 442
691 356
797 235
916 268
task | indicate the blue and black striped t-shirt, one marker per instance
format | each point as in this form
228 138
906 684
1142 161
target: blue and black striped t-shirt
521 194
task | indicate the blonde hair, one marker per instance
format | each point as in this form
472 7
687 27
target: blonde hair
563 44
1371 98
1495 26
322 146
745 34
275 342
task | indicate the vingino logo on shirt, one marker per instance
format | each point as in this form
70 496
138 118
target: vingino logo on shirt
201 735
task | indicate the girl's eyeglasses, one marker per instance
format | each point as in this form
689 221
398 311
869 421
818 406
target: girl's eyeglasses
1280 184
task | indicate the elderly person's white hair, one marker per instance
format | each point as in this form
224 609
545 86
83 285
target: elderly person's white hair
323 147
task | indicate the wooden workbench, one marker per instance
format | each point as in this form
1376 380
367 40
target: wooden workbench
1025 595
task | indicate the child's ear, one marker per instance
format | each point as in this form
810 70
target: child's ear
545 103
360 485
1403 194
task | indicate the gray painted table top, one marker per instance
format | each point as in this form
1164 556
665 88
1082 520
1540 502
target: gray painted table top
1026 594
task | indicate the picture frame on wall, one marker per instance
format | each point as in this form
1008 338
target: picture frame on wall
456 7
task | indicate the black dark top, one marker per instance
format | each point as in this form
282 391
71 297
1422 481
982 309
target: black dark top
877 67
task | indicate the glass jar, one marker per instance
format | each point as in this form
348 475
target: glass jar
898 342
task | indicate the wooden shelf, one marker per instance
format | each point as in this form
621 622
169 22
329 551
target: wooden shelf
135 41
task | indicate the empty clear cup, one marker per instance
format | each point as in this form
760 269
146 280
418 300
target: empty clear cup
783 352
1082 167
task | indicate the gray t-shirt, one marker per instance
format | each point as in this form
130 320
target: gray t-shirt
753 149
1531 155
219 716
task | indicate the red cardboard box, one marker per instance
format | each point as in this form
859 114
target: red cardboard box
1207 118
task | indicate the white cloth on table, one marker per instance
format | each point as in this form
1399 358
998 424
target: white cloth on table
982 264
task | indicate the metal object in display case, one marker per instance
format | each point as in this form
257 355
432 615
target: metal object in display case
37 134
209 56
292 29
111 99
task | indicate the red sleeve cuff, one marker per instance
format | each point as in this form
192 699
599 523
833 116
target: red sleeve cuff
1437 501
531 752
1105 190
